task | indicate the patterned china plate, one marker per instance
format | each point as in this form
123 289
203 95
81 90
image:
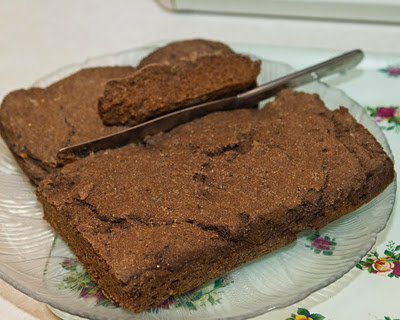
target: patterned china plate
37 262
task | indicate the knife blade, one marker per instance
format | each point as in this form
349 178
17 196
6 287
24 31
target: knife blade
246 99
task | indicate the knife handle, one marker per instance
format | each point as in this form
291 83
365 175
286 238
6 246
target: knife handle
340 63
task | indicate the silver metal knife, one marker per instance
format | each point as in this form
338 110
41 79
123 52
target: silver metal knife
246 99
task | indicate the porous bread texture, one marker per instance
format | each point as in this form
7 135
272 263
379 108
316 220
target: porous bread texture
157 89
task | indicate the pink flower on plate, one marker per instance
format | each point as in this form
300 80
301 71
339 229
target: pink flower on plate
386 112
396 268
167 303
321 243
84 293
394 70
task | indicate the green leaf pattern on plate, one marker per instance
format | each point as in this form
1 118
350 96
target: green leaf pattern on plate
304 314
77 279
387 264
321 244
387 117
210 293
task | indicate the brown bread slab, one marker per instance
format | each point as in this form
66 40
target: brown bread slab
149 221
157 89
36 123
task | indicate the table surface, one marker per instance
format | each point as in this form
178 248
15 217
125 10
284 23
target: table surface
38 37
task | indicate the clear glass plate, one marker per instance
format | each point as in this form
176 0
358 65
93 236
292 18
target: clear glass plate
37 262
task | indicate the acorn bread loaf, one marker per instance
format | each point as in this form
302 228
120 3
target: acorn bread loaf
150 221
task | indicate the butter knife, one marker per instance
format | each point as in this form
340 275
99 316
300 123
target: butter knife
246 99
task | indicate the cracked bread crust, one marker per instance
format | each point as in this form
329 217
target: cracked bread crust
157 89
149 221
36 123
186 50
